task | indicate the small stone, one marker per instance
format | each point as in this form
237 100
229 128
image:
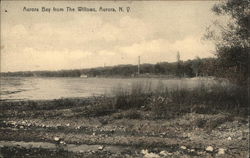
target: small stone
183 147
229 138
21 127
67 124
165 153
13 122
93 134
164 133
78 127
192 150
210 149
144 151
56 138
100 147
149 154
221 151
62 142
200 152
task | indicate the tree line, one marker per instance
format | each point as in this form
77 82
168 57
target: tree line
190 68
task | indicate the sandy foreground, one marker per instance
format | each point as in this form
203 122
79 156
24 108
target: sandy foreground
51 129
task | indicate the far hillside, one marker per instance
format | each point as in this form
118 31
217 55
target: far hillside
189 68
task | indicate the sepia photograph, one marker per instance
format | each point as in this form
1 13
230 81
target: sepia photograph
124 79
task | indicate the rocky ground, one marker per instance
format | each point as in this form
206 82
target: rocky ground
51 129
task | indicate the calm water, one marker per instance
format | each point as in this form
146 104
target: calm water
22 88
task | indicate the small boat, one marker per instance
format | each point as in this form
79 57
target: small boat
84 76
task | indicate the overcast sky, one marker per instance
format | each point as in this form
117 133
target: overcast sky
156 31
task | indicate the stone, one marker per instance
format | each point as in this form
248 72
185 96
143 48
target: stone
210 149
56 139
13 123
164 133
149 154
144 151
183 147
100 147
165 153
200 152
221 151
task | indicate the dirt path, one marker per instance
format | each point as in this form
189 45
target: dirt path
59 132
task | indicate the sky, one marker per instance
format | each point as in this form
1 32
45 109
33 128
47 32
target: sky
155 31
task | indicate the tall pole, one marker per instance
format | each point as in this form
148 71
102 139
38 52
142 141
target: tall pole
138 65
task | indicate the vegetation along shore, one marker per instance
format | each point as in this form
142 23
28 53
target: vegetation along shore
132 123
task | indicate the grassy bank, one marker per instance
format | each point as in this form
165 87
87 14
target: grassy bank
135 122
163 101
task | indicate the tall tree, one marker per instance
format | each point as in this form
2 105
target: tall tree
232 39
196 66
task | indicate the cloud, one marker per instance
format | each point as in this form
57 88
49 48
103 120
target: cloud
164 50
85 32
134 29
65 41
31 59
151 51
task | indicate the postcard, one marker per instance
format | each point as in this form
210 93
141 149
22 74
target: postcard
124 79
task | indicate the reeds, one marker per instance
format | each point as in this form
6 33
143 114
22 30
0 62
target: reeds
200 99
